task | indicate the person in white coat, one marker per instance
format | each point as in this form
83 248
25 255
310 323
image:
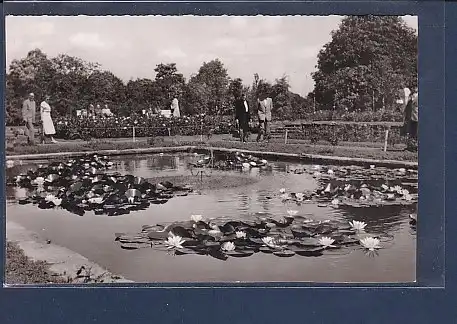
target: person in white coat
175 107
46 120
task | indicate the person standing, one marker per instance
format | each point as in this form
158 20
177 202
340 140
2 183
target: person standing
175 107
265 105
46 120
28 116
242 117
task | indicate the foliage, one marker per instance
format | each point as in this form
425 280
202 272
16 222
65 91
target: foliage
368 59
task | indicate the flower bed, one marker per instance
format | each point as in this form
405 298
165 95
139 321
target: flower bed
119 127
355 132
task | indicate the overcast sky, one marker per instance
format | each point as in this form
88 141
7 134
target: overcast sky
131 47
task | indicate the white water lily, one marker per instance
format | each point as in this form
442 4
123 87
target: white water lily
347 187
174 241
372 166
408 197
335 202
96 200
397 189
196 218
240 234
404 192
39 181
292 212
317 174
316 167
228 246
327 189
370 243
246 165
264 161
56 201
402 170
326 242
300 195
269 241
330 171
131 200
282 190
9 163
358 226
385 187
285 196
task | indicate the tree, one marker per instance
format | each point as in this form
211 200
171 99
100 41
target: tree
368 59
168 83
140 94
281 94
213 76
236 88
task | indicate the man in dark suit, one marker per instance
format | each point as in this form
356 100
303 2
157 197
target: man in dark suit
242 117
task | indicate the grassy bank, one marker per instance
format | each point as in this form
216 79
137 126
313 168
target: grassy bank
344 150
22 270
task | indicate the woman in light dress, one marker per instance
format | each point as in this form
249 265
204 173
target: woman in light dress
175 107
46 120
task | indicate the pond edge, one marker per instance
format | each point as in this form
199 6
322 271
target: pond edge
308 158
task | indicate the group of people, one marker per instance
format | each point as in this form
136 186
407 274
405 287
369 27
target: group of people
243 117
95 111
45 123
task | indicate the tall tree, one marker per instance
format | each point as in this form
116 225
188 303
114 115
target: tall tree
368 59
214 77
168 83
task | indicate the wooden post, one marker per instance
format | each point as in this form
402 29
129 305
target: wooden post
169 132
285 137
133 133
386 140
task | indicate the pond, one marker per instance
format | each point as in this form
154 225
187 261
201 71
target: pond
94 235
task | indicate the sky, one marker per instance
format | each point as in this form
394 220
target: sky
132 46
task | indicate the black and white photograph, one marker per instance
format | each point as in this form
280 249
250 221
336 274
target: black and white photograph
211 149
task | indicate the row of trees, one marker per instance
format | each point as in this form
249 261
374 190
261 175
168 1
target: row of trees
362 68
75 84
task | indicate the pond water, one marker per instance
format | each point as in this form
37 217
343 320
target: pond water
93 236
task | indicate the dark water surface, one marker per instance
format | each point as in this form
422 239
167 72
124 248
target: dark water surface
93 236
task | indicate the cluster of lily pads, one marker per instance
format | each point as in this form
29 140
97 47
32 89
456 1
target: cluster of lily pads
236 160
358 187
221 238
83 184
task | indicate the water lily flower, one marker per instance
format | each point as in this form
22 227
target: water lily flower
358 226
240 234
347 187
316 167
246 165
398 189
39 181
269 241
370 243
300 195
326 242
385 187
327 189
228 246
131 200
174 241
282 190
335 202
9 163
264 161
53 199
408 197
300 199
292 212
330 171
285 196
404 192
402 170
196 218
372 166
316 174
96 200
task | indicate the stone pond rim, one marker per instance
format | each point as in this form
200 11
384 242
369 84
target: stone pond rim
292 157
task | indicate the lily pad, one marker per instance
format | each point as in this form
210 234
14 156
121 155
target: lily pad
153 235
284 253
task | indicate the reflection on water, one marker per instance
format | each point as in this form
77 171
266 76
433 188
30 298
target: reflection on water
395 263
